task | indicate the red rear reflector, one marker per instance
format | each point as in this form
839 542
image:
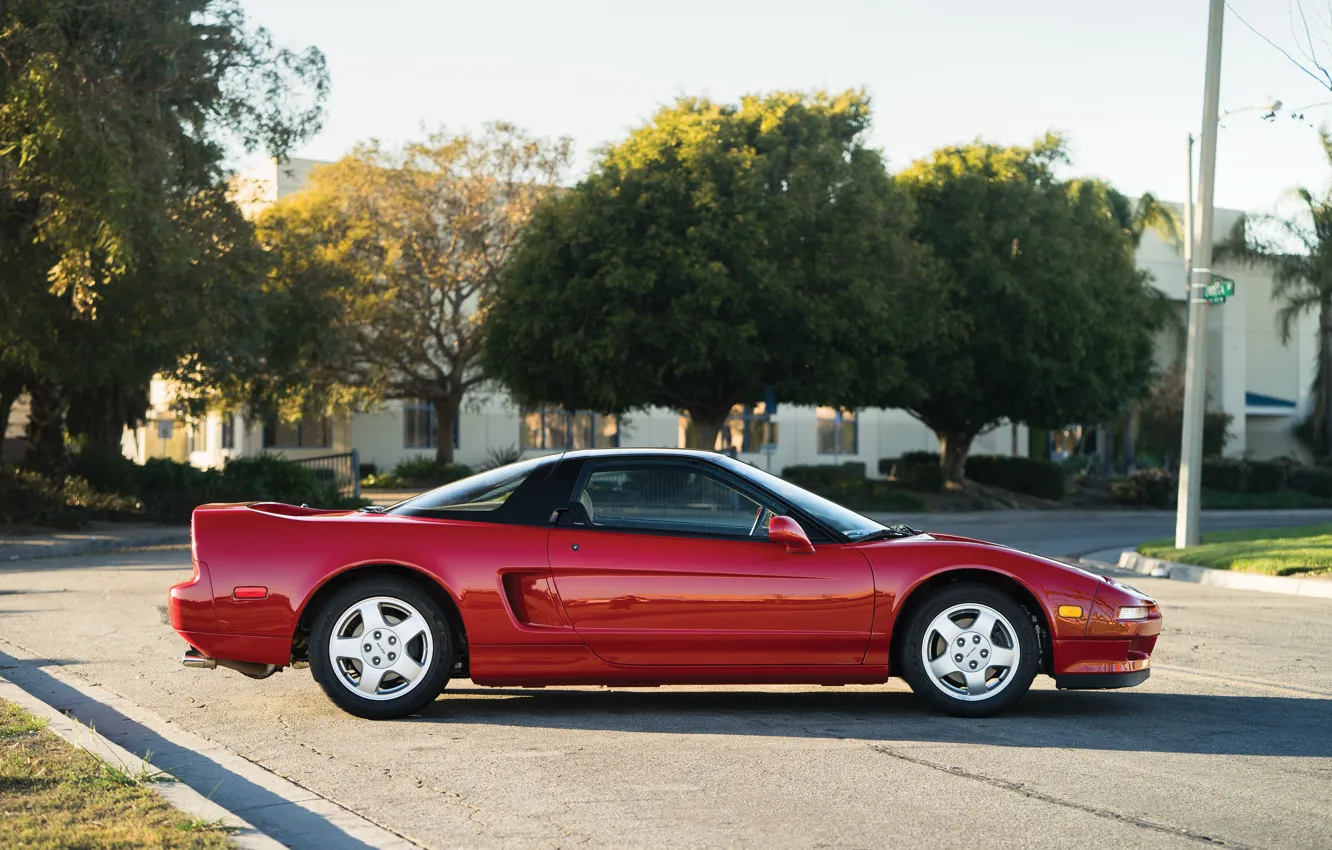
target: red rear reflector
250 593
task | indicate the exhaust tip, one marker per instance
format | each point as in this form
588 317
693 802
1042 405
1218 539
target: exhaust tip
196 659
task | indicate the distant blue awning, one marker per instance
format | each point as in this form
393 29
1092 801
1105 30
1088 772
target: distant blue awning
1260 400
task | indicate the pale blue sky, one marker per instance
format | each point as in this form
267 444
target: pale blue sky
1122 79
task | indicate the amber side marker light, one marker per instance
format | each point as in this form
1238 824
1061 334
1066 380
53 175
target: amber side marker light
1135 612
250 593
1071 611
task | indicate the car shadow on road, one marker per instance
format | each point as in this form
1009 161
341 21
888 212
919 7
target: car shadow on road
1125 720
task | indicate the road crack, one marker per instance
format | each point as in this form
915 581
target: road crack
1033 794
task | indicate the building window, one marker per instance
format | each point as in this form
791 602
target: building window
228 436
196 437
308 432
418 425
554 429
837 431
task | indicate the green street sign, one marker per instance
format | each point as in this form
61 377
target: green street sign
1219 289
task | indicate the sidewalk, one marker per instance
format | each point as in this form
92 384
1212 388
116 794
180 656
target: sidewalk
25 544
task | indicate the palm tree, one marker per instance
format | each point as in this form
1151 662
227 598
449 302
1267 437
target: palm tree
1298 251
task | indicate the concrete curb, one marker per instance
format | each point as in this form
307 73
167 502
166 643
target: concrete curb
279 810
21 549
1157 568
179 795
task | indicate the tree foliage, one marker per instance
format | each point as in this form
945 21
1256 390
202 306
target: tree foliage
721 251
1298 252
120 254
402 249
1039 275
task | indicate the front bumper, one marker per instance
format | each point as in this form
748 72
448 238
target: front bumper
1101 681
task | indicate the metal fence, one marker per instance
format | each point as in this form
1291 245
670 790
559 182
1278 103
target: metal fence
343 471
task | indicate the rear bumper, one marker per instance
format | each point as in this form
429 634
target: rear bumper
1101 681
260 650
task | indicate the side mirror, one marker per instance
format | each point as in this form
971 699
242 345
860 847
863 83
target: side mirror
783 529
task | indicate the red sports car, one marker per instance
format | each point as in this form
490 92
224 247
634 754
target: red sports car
629 567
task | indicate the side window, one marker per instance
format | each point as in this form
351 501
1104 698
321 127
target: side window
671 497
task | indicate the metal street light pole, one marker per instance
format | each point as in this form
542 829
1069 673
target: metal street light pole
1195 375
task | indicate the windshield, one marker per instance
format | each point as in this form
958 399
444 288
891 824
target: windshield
484 491
843 520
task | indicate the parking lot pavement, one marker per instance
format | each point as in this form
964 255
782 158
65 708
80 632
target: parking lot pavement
1228 744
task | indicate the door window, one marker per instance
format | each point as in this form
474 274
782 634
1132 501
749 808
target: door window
671 498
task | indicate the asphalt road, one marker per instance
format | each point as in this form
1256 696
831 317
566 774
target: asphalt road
1228 744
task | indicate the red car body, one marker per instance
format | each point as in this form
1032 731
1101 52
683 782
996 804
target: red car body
541 603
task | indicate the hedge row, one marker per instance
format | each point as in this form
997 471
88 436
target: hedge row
111 486
422 472
918 471
1146 488
847 485
1041 478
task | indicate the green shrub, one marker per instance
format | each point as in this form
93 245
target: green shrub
1316 481
1146 488
1224 476
80 494
1282 500
170 491
1264 476
813 477
428 472
919 471
272 479
27 498
863 494
1034 477
106 470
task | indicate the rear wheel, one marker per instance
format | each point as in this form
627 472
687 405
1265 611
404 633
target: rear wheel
970 650
381 648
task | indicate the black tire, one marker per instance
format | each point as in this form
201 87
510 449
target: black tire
433 678
1018 679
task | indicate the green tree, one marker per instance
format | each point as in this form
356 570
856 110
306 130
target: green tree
1039 275
1298 252
115 116
402 249
719 252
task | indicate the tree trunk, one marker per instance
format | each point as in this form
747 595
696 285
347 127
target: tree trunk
46 430
953 449
446 414
1108 448
704 426
1131 436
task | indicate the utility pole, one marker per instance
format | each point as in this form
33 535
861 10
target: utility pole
1188 228
1200 274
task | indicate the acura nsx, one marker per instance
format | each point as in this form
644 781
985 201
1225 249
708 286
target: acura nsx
640 567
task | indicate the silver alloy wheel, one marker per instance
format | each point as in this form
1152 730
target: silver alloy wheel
971 652
380 648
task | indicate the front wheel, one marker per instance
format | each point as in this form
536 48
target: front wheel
381 648
970 650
